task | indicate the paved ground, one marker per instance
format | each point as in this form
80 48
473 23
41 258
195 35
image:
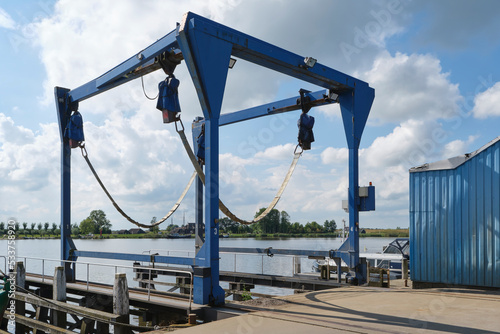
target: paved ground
367 310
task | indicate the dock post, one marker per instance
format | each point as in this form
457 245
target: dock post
20 306
338 263
405 271
59 294
121 305
296 261
184 284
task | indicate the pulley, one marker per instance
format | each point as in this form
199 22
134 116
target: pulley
168 99
305 122
74 130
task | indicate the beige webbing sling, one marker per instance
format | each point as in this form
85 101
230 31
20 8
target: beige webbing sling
117 207
223 207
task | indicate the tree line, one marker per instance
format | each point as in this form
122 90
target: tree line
95 223
276 222
34 228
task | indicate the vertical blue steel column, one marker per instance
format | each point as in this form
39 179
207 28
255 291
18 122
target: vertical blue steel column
355 107
198 207
67 244
212 205
207 58
354 207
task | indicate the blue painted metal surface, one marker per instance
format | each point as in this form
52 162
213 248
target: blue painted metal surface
206 47
271 251
318 98
125 71
67 244
207 58
355 108
135 257
455 220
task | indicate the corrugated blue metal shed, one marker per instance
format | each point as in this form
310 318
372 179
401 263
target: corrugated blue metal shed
455 219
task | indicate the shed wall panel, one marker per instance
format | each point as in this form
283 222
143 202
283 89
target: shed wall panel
455 222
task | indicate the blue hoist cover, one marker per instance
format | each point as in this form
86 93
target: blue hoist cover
168 99
306 136
201 147
74 129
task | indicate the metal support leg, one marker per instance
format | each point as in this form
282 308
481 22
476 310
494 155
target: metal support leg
199 239
67 244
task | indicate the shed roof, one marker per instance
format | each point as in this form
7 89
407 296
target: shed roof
454 162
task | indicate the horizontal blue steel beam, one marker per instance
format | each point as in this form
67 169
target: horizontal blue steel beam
267 55
271 251
123 72
136 257
318 98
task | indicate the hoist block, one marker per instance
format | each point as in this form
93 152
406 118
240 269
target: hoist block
168 99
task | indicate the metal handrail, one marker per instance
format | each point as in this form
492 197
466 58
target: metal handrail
5 263
116 266
262 256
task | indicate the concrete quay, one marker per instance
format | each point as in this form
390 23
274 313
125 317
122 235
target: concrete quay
365 310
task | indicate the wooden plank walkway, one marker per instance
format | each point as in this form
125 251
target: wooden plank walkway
136 296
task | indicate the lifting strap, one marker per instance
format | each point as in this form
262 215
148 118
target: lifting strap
117 207
224 208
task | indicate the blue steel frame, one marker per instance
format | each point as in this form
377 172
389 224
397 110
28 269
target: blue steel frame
206 47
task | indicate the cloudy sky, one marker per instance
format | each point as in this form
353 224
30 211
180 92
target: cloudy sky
433 64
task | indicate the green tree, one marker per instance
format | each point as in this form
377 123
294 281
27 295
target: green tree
95 223
75 229
33 225
285 223
17 226
100 221
25 226
2 226
54 228
39 227
313 227
270 223
330 226
154 229
87 226
46 227
297 228
226 225
171 227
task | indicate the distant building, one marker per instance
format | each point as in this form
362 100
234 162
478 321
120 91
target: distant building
123 232
189 228
136 231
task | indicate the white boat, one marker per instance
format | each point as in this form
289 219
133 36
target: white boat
391 258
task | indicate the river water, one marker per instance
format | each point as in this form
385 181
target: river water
102 270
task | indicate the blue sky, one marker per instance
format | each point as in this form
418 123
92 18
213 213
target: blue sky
433 64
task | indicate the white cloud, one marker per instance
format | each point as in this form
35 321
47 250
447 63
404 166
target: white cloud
457 147
280 152
5 20
487 103
334 156
28 161
411 87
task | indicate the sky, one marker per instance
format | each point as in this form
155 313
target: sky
433 65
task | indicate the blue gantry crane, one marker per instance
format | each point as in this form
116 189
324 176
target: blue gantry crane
207 48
